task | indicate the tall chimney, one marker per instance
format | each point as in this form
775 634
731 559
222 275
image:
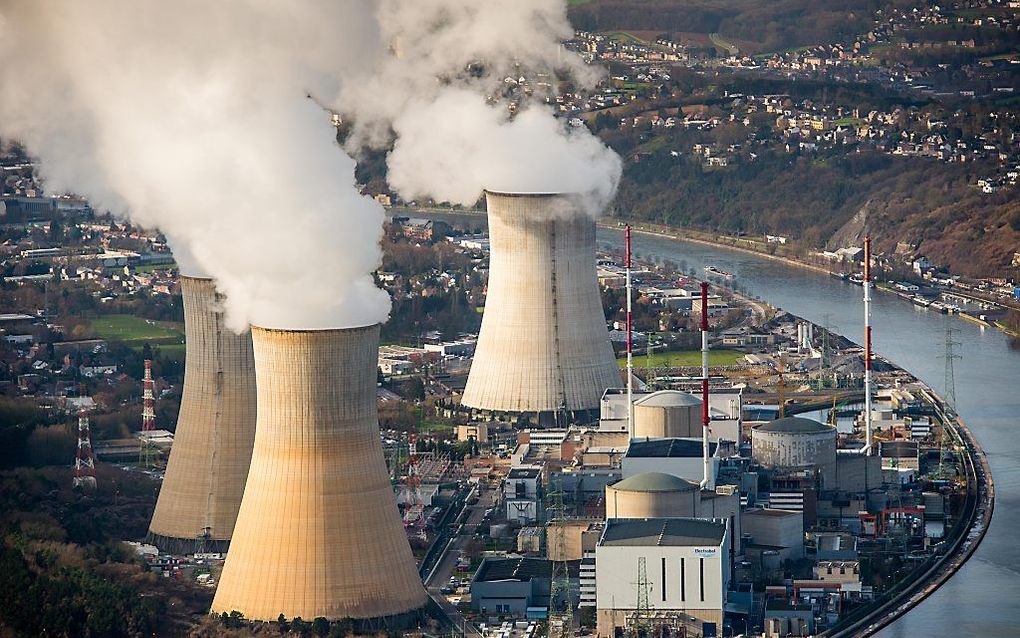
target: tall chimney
318 533
707 481
867 347
543 344
208 463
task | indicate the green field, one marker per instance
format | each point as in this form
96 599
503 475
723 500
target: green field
129 328
683 358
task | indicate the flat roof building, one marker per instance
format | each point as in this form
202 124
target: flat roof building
684 562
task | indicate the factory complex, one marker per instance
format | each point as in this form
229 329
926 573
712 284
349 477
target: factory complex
551 483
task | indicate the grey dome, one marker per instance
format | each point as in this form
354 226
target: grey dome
655 482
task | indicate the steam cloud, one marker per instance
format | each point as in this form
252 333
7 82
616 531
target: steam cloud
431 82
193 117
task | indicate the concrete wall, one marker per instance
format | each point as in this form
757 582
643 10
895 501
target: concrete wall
209 461
543 344
858 473
671 421
318 532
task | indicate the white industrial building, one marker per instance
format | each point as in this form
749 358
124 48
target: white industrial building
683 564
522 493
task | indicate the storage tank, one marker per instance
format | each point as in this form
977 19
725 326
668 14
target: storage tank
667 414
318 532
653 495
208 464
794 443
543 346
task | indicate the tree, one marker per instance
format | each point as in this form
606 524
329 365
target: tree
320 626
282 624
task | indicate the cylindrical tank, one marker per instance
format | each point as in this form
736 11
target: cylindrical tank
653 495
667 414
794 442
543 344
208 463
318 533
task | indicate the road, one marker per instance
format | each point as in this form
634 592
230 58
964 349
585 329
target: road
444 569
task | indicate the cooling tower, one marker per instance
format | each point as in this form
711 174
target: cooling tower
318 533
543 345
209 460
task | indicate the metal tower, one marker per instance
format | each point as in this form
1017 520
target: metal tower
146 452
561 604
643 609
949 388
84 462
949 355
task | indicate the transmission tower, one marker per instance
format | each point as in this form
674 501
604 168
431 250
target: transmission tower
949 388
949 356
642 613
84 462
561 604
147 450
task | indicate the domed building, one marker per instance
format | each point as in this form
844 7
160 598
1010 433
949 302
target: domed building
795 443
653 495
667 414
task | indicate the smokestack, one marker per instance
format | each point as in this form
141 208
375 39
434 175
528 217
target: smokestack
543 345
630 340
706 481
209 460
318 532
867 345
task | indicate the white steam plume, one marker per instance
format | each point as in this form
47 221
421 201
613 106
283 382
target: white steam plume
430 87
193 117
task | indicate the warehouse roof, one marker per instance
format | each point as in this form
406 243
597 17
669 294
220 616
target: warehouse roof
655 482
668 399
668 448
677 532
519 569
795 425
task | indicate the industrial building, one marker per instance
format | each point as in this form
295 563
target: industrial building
318 532
543 347
795 443
208 465
678 567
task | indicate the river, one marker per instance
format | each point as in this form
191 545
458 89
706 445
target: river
982 598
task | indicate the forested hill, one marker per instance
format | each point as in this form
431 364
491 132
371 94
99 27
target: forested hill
753 25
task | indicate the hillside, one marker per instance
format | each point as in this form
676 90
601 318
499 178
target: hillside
753 25
933 206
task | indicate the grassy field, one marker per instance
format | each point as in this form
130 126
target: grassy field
683 358
132 329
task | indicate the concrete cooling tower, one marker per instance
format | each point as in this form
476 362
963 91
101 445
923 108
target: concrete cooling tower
208 464
543 345
319 533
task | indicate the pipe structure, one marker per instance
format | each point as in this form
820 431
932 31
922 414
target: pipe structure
318 532
543 346
208 464
630 338
867 347
706 480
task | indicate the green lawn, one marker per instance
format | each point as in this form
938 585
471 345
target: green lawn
683 358
130 328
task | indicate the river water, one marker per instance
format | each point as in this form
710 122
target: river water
983 597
